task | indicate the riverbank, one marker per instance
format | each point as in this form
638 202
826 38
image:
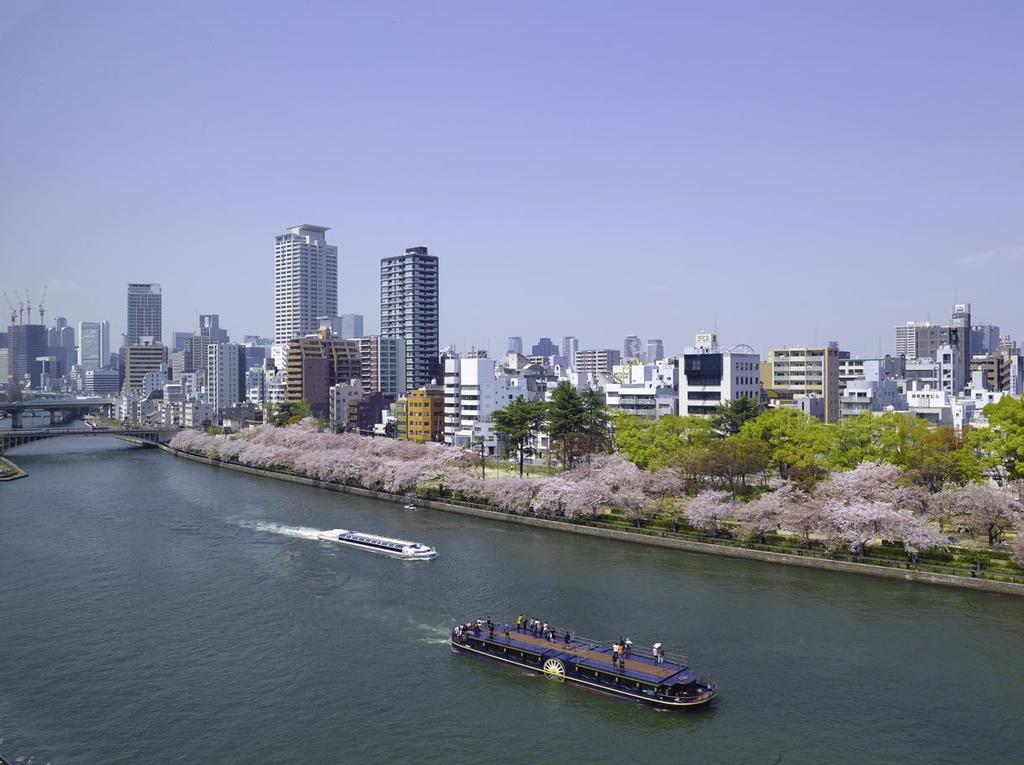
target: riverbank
639 536
9 471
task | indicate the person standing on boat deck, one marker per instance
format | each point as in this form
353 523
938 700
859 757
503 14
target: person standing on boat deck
507 637
629 646
568 637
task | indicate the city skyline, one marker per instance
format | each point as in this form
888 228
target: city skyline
735 168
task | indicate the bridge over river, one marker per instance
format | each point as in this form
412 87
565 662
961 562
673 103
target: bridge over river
10 439
55 406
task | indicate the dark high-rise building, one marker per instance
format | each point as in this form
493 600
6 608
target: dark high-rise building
984 339
632 348
144 313
25 344
960 336
179 340
544 347
61 339
409 309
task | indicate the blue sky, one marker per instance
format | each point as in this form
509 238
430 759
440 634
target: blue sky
789 172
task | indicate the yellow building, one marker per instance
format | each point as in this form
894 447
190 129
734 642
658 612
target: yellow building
424 414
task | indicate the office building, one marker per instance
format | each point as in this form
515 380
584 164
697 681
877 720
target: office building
314 365
984 339
382 365
632 348
807 372
141 359
596 361
207 332
920 339
568 349
424 414
351 326
960 338
305 281
225 375
179 340
61 341
544 347
409 310
343 399
473 391
144 314
93 344
100 382
710 375
655 350
27 351
515 344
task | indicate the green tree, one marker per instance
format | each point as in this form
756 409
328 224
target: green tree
1000 446
565 422
731 460
289 413
661 442
595 422
731 415
944 459
799 445
520 422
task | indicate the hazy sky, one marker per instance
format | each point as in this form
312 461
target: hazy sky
790 172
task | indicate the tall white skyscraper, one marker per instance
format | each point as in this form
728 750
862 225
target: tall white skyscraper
409 309
93 344
225 374
569 347
144 313
305 281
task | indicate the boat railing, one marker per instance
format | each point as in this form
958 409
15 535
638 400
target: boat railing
636 649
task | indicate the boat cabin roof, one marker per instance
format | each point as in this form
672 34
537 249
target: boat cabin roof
589 655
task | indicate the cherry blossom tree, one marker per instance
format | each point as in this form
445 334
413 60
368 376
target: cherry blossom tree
982 510
766 513
707 510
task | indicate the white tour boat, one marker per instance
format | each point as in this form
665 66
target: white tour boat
397 548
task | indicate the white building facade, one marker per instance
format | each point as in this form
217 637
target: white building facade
710 375
305 281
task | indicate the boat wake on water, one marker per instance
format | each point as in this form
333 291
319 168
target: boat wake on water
395 548
299 532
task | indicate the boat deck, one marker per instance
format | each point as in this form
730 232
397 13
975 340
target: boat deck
588 654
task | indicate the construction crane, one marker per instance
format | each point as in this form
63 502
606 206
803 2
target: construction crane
42 309
10 304
28 299
21 312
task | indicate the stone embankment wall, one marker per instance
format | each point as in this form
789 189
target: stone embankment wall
948 580
10 471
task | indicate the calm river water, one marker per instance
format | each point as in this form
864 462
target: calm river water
156 610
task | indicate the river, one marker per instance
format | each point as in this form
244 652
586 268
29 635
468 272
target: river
158 610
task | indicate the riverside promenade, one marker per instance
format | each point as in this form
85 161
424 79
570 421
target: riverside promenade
638 536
